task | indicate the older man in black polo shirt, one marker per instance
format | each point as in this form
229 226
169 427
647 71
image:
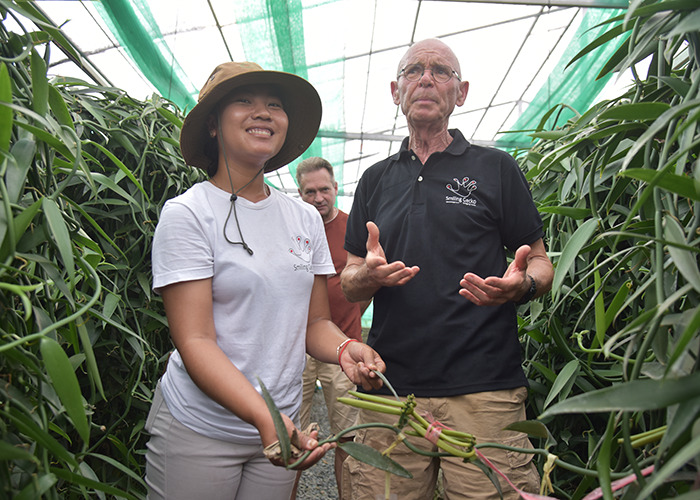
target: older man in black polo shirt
427 238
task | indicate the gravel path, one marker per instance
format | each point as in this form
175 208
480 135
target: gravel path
318 482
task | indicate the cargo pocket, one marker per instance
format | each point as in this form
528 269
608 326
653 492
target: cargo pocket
523 472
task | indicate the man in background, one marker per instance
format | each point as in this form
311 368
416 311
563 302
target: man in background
318 187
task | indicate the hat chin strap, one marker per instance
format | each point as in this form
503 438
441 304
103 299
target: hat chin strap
234 192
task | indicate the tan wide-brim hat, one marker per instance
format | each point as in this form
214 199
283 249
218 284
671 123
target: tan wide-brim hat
301 103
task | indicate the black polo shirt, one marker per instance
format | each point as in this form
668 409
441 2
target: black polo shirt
457 213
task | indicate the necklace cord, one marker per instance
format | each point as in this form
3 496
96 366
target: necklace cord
234 193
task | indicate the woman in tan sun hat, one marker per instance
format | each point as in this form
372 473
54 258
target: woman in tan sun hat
242 271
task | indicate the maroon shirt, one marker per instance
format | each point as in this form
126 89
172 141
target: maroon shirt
346 315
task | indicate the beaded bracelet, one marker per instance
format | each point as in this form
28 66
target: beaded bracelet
339 350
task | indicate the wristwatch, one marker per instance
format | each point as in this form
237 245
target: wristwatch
530 293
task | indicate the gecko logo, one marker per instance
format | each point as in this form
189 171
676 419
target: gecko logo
463 190
301 248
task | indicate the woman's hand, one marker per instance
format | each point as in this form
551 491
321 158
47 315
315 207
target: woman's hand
359 361
301 442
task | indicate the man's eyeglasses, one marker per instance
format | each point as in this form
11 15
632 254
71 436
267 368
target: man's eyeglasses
440 73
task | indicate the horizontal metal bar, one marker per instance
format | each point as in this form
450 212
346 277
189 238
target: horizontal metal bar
601 4
354 136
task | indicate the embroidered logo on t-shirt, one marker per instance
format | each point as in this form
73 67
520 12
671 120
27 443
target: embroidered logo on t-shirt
463 190
301 248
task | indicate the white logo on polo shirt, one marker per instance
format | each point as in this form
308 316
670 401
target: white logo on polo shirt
463 190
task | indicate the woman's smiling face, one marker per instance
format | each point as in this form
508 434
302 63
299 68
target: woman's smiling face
253 123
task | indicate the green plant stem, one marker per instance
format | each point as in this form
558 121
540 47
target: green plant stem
11 237
628 449
579 338
64 321
336 438
558 461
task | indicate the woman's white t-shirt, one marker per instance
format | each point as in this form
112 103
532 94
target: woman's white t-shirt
260 301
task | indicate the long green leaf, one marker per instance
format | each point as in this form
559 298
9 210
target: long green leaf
563 380
570 253
21 222
637 395
683 418
65 383
603 462
685 261
610 34
30 11
636 111
548 373
40 85
92 484
370 456
107 182
122 167
37 488
663 6
48 138
23 152
620 128
689 24
5 112
120 467
10 452
59 108
599 308
59 231
690 332
679 86
616 304
90 359
574 213
659 124
679 184
280 428
535 429
687 454
39 436
170 116
93 223
20 290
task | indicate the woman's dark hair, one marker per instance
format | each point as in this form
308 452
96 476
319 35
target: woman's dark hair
211 150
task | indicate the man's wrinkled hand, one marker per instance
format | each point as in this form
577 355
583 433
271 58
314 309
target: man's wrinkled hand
379 270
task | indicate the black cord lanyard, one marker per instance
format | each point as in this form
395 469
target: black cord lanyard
234 193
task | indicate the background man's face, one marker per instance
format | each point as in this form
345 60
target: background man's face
318 189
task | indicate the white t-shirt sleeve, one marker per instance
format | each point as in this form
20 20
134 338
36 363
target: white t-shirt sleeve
181 248
322 261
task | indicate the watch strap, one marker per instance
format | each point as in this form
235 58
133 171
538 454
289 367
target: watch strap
530 293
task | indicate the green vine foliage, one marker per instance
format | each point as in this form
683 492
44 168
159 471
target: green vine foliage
84 171
612 352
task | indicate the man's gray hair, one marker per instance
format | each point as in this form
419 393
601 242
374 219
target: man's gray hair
312 165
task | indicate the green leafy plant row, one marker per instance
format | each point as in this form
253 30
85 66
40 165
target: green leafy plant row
612 352
84 171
